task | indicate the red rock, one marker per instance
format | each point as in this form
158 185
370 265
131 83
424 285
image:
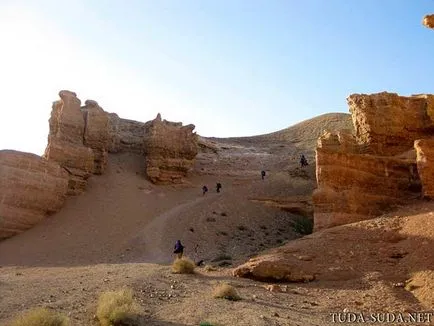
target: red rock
428 21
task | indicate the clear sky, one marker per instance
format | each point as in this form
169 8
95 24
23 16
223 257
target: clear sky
231 67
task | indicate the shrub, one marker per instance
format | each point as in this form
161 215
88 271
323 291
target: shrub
226 291
183 266
302 225
116 307
41 317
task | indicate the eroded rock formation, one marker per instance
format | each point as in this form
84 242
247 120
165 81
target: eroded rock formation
170 149
31 188
364 175
428 21
65 141
125 135
425 165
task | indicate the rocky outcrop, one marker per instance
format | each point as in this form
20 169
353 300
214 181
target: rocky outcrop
425 165
125 135
170 149
428 21
353 186
31 188
65 141
363 175
388 124
96 133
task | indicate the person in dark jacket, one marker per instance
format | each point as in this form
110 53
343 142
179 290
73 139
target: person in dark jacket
218 186
179 249
204 190
263 174
303 161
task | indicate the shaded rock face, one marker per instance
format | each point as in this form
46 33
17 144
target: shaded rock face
428 21
66 141
96 133
170 150
363 175
354 186
425 165
125 135
31 188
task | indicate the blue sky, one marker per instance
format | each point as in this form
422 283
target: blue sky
232 68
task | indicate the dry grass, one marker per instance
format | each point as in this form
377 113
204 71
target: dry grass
41 317
226 291
183 266
116 307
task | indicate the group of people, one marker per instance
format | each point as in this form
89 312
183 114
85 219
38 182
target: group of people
179 248
205 188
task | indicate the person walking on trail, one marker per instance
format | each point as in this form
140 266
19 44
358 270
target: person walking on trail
204 190
303 161
179 249
218 186
263 174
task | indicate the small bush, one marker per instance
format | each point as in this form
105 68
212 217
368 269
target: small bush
226 291
241 227
183 266
302 225
116 307
41 317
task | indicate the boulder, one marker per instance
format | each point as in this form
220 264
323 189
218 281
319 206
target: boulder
31 188
425 165
65 141
428 21
170 149
96 133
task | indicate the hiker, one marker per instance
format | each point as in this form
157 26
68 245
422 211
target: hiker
179 249
263 174
218 186
303 161
204 190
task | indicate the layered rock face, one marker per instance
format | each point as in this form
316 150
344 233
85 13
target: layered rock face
65 141
428 21
170 150
362 176
387 124
425 165
125 135
96 133
354 186
31 188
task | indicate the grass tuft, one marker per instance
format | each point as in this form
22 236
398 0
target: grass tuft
226 291
183 266
302 225
41 317
117 308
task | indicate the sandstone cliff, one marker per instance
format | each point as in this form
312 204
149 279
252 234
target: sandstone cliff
65 141
170 149
125 135
364 175
425 165
31 188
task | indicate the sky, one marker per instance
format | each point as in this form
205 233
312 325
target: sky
230 67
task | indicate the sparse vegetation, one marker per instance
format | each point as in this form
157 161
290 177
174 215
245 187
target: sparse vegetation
241 227
224 214
226 291
302 225
117 308
210 219
183 266
41 317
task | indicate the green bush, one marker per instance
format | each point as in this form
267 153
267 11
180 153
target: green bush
302 225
